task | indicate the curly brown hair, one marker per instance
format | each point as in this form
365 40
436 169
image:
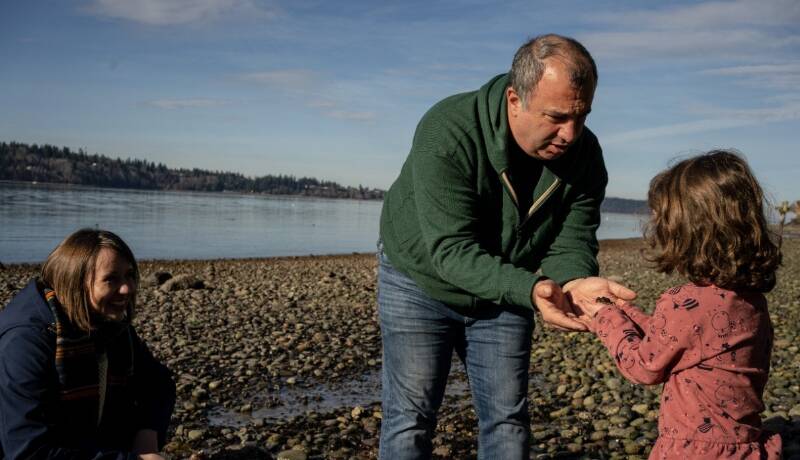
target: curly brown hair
708 223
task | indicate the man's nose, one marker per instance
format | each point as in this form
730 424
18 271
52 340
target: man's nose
569 131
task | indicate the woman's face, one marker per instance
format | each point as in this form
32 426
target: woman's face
113 286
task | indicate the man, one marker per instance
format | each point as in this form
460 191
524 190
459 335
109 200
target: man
499 183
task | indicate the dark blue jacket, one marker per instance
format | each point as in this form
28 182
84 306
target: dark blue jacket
32 423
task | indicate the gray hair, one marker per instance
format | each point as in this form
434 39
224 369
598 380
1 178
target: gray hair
529 63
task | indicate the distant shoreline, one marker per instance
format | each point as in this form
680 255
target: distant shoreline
608 244
66 186
610 204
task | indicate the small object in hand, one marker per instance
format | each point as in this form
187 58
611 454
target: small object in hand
604 300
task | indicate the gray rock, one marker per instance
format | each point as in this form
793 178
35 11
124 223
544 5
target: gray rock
181 282
291 454
156 279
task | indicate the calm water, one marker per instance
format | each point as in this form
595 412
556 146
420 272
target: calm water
185 225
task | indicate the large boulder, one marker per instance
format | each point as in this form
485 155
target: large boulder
156 279
181 282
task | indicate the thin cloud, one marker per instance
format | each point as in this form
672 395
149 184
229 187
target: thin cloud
321 104
717 119
755 70
350 115
686 43
291 79
192 103
742 28
782 76
708 15
170 12
315 90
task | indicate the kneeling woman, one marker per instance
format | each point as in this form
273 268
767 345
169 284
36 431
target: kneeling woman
75 379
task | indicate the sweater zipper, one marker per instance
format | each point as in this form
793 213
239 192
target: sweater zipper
536 204
540 201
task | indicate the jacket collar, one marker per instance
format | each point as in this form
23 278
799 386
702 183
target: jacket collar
27 308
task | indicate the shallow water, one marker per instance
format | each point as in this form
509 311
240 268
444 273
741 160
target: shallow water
291 401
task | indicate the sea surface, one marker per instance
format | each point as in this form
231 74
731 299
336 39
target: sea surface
34 218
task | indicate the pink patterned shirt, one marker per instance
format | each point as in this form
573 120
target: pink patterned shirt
712 348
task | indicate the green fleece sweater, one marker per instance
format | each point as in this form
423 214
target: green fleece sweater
451 221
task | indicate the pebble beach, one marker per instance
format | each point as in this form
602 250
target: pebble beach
280 358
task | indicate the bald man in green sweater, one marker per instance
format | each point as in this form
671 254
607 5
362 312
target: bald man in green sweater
493 216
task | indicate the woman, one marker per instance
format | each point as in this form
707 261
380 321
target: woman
75 379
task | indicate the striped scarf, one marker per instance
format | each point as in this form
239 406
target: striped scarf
80 357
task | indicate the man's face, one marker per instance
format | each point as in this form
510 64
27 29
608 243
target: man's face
554 115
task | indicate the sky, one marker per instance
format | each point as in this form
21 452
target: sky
334 90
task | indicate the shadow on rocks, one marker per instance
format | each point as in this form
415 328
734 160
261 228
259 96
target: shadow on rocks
245 453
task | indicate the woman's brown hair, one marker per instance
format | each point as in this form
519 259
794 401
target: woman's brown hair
69 270
708 223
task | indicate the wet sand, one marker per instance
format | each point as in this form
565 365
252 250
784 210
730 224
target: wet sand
283 354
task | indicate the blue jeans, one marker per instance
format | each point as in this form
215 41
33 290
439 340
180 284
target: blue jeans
419 337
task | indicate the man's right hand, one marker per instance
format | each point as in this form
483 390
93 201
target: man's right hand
554 306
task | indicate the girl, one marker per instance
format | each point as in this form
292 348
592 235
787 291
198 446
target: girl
710 340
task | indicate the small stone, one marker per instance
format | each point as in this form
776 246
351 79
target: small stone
356 412
598 435
291 454
632 447
574 447
601 425
194 435
641 409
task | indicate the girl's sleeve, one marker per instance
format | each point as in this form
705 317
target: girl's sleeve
646 350
636 315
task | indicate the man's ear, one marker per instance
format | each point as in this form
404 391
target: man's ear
514 101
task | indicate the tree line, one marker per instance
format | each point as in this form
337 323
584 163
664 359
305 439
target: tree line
48 163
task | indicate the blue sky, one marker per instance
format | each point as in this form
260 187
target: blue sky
334 89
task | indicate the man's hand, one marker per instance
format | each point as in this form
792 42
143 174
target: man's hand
555 307
583 294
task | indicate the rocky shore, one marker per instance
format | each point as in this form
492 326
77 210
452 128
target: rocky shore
279 358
